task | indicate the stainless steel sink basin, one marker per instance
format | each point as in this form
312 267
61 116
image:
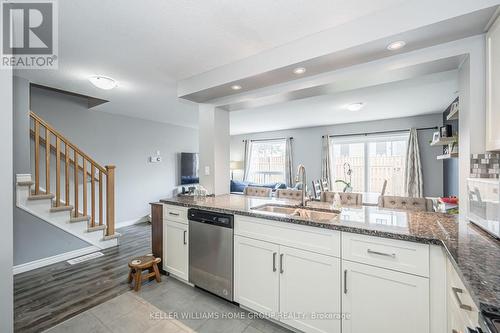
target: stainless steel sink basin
301 212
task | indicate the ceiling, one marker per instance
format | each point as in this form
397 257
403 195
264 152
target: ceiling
422 95
149 46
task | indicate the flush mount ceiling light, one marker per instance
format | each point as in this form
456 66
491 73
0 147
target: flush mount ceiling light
102 82
396 45
235 87
299 70
355 106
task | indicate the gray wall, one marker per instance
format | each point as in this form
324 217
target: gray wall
6 183
124 142
33 237
450 166
307 145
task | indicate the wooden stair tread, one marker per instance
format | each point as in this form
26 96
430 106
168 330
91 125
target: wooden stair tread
79 218
41 196
96 228
26 183
61 209
116 235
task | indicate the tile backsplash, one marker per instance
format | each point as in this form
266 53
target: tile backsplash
485 165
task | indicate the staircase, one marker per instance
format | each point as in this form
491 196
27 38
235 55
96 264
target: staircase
79 193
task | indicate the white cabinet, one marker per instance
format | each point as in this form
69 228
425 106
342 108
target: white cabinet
462 311
493 87
298 287
256 276
382 300
175 249
310 286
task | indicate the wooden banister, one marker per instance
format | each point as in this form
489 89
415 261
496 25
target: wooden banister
110 200
102 177
53 149
66 141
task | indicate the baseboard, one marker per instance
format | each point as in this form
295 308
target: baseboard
132 222
54 259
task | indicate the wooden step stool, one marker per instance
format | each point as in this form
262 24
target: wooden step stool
140 263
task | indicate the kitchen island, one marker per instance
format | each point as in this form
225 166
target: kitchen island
419 237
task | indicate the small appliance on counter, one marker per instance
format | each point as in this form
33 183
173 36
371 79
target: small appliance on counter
484 204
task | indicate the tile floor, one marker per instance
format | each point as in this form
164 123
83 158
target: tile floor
171 307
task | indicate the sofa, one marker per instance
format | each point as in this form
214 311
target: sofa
238 186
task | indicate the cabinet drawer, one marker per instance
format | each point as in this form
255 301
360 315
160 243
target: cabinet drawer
460 298
175 213
392 254
298 236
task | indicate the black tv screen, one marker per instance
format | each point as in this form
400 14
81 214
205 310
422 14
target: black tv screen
189 168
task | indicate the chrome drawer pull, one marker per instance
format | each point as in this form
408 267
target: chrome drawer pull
274 261
457 291
174 214
185 241
392 255
281 263
345 281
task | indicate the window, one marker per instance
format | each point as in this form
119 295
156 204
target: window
372 159
267 161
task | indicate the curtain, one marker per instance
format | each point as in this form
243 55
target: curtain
326 163
288 163
248 157
413 179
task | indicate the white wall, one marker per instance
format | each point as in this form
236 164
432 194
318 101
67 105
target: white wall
6 204
214 149
125 142
307 145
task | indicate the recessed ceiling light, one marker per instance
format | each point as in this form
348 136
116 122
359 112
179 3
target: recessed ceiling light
396 45
355 106
236 87
299 70
102 82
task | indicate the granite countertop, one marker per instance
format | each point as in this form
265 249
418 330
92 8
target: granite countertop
475 254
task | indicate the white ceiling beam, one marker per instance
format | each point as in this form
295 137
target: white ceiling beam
439 58
409 15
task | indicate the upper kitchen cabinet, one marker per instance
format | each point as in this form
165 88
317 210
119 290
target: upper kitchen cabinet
493 87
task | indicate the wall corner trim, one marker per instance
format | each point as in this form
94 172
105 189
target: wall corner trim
21 268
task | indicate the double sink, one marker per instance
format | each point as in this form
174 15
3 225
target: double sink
308 213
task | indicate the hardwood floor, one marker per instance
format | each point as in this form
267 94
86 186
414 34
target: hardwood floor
52 294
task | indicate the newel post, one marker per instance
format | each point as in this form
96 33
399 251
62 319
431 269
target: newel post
110 200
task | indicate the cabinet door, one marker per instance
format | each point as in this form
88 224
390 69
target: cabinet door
382 300
256 275
310 286
493 87
176 249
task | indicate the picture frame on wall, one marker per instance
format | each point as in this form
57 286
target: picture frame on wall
446 131
436 136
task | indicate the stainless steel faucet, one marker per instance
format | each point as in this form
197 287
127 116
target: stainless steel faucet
301 176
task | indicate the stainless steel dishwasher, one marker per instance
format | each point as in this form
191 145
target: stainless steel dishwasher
211 252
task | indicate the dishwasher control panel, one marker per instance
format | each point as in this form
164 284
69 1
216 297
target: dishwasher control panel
215 218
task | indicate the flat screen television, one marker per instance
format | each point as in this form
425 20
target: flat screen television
189 168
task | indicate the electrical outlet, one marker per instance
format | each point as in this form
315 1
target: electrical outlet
207 170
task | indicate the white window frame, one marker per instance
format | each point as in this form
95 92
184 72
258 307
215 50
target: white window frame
365 139
270 141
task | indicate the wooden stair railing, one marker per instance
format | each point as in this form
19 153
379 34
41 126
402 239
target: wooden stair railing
79 162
